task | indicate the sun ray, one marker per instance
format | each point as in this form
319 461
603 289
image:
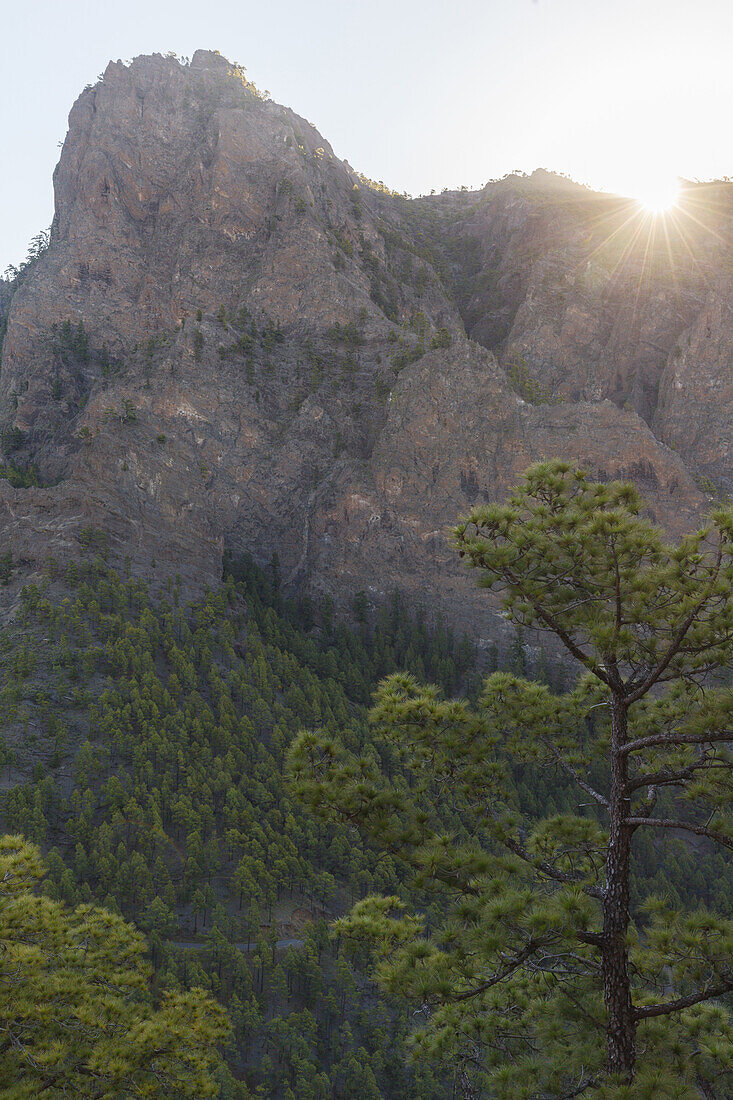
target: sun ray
650 231
639 238
672 263
619 229
708 229
629 246
680 228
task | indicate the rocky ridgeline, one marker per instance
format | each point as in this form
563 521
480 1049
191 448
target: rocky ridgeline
234 341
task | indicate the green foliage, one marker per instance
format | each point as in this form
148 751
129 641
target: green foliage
169 726
441 339
379 187
407 355
20 478
238 74
383 289
382 390
70 341
350 333
36 248
343 242
526 386
533 977
75 1004
151 738
6 567
641 592
93 539
13 439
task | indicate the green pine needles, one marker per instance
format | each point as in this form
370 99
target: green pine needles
76 1012
529 971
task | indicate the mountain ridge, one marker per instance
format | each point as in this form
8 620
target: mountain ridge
234 342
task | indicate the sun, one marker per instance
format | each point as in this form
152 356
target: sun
656 194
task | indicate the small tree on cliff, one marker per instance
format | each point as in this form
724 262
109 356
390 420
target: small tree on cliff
533 977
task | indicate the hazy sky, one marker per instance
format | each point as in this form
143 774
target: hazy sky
621 94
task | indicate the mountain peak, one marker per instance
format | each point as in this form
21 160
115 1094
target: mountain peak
233 341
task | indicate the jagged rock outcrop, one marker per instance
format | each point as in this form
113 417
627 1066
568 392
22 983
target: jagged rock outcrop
593 299
234 341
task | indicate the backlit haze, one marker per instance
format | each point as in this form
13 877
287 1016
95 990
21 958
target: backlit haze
623 95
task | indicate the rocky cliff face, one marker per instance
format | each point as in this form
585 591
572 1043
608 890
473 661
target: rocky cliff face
589 298
233 341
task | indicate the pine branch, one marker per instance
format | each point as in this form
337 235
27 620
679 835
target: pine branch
642 743
687 826
574 774
551 622
568 642
678 638
547 869
665 1009
521 957
671 779
581 1088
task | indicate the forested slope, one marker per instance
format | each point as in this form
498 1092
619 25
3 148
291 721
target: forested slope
143 749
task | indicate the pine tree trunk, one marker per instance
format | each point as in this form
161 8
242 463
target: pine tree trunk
621 1027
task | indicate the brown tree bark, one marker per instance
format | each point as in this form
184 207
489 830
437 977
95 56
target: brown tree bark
621 1024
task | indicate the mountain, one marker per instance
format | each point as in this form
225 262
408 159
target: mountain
235 342
233 346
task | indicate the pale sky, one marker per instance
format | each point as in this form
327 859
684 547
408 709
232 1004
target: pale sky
622 94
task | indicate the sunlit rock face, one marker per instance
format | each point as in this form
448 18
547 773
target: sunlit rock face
274 355
599 298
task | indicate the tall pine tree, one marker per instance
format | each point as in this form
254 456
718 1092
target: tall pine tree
530 973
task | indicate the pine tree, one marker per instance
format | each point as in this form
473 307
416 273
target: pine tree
77 1016
534 980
